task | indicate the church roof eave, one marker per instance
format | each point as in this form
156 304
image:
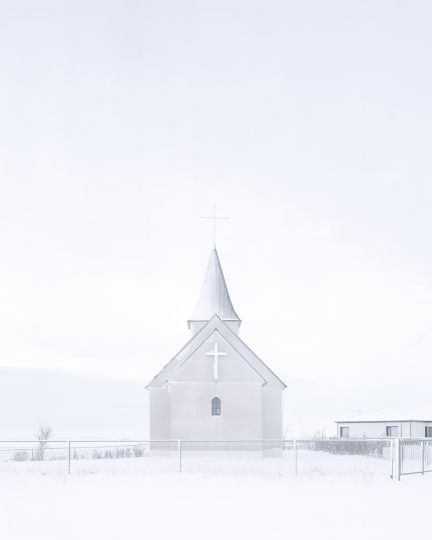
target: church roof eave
149 385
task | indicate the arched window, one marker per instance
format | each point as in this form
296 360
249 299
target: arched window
216 406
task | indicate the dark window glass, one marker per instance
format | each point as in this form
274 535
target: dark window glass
344 432
216 406
392 431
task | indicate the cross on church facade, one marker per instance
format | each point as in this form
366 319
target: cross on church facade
215 353
214 217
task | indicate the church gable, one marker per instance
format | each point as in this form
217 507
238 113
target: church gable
194 350
216 359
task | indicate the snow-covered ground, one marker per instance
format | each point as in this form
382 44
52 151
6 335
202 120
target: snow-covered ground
96 503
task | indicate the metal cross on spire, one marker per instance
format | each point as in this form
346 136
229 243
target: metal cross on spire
214 217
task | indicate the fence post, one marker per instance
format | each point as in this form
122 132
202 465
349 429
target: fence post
392 467
179 446
69 457
295 456
398 459
423 457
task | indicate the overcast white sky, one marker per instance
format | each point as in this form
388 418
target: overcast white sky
308 123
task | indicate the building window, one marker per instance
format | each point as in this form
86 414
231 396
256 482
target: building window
344 432
392 431
216 406
428 431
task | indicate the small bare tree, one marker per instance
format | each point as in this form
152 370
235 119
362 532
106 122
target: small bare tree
44 433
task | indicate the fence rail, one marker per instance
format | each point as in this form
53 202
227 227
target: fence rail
274 456
391 457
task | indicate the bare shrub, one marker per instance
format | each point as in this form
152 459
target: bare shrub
138 451
20 455
97 454
43 434
357 448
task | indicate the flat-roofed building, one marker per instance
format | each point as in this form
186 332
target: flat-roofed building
414 423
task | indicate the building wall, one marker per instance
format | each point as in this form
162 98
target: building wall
378 429
183 411
418 428
241 411
159 412
272 412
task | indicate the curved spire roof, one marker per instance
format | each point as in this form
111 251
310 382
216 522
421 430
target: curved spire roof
214 297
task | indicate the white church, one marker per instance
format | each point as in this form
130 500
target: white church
215 387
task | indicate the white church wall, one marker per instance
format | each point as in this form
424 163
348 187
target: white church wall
159 412
241 411
272 412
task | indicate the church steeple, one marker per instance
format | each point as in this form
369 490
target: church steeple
214 298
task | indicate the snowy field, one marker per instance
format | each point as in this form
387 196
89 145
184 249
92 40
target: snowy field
120 499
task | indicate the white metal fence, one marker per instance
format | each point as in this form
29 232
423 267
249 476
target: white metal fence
391 457
412 456
281 457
